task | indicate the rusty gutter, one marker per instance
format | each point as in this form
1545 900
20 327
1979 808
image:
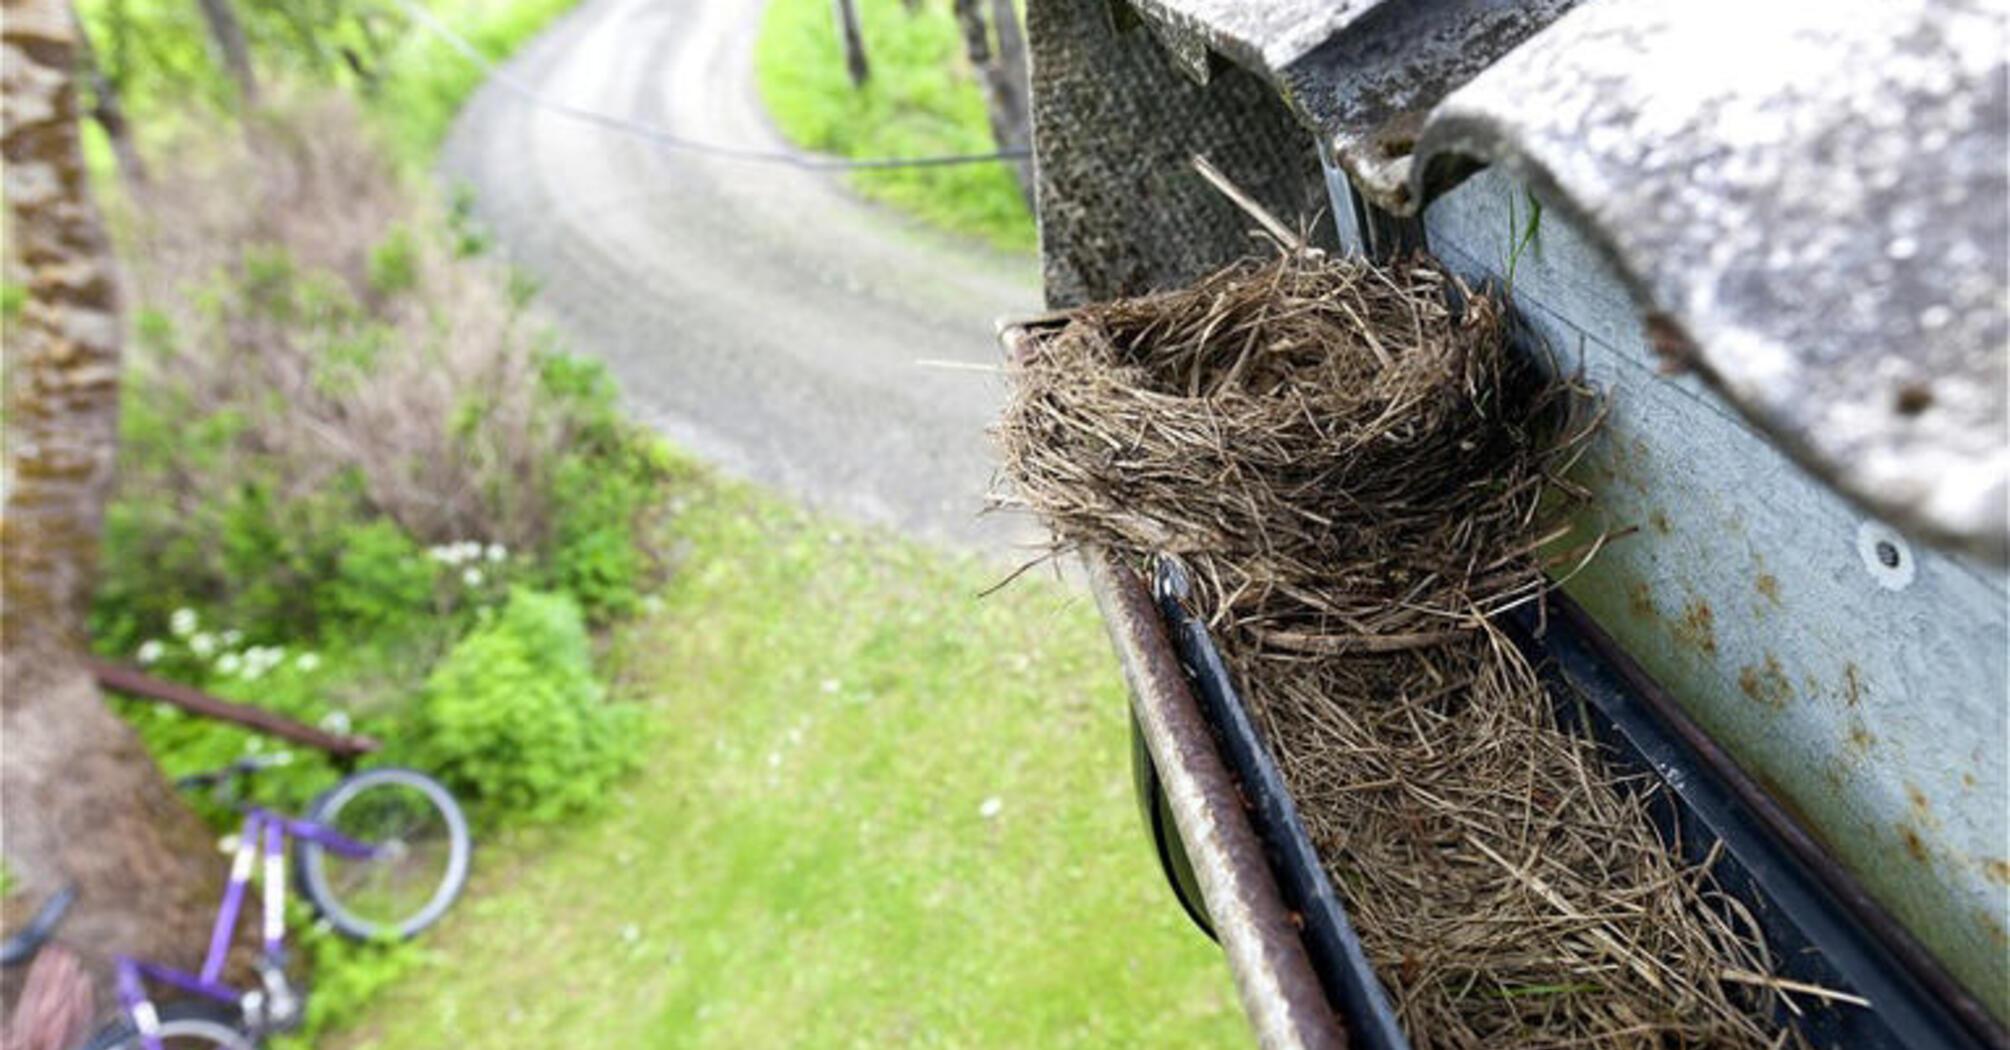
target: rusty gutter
1274 977
1338 957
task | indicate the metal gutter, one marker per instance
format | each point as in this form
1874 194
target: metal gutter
1337 956
1274 977
1913 996
1300 973
1288 941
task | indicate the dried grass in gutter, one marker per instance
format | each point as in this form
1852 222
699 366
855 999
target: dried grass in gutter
1358 477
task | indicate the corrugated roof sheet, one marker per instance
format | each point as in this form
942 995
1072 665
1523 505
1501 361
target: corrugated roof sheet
1809 201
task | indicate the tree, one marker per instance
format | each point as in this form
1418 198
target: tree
1001 73
105 108
226 34
854 41
80 800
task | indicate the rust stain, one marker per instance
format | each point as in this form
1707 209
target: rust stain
1922 807
1640 598
1914 844
1768 585
1659 519
1860 736
1998 870
1968 781
1698 627
1852 685
1623 463
1766 685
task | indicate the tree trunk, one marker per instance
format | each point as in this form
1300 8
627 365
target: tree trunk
854 41
105 107
1002 75
80 800
227 35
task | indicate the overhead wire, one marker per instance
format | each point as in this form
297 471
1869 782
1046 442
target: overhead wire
665 139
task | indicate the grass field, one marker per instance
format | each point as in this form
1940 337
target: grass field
921 99
878 811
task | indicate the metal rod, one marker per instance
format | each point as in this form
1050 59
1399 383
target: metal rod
1280 992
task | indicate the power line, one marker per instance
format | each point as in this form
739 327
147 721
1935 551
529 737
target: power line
664 139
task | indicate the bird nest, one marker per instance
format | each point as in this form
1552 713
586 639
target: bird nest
1360 477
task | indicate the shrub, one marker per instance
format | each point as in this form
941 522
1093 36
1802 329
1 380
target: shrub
301 684
381 579
321 387
513 718
607 497
394 266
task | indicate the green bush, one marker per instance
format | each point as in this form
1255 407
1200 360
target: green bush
425 81
394 263
381 580
606 497
514 720
157 53
301 684
302 517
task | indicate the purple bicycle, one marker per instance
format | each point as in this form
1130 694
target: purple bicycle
380 855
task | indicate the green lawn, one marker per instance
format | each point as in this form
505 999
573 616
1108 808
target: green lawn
922 99
807 859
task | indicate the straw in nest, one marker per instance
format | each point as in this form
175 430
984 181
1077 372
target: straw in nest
1359 476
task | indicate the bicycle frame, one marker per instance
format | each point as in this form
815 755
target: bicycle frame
262 829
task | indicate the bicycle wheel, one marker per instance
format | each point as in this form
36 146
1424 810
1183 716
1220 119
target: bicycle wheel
419 860
185 1025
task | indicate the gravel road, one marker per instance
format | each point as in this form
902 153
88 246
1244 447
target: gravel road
762 317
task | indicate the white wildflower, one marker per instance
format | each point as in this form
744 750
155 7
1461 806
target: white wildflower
472 577
229 663
991 807
182 622
263 658
233 637
335 721
202 644
831 686
148 652
439 553
496 552
307 661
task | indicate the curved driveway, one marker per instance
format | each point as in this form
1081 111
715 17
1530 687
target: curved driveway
760 316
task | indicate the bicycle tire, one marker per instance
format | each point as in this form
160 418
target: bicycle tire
191 1024
312 861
